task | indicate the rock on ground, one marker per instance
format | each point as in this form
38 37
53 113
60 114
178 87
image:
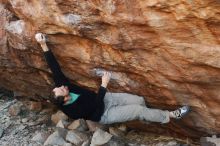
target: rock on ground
55 139
58 116
79 125
40 137
100 137
76 137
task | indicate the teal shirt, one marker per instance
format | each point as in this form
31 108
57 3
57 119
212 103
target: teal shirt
72 99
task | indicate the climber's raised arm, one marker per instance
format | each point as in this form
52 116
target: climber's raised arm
58 76
105 79
102 89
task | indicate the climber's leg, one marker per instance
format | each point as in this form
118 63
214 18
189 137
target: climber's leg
113 99
115 114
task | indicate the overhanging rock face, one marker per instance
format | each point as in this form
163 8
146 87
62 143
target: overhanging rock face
166 51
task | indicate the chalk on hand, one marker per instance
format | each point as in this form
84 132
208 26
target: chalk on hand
98 72
41 37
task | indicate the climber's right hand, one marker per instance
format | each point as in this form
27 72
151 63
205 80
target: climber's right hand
105 79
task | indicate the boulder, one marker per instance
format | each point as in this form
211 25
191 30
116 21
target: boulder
100 137
76 137
116 141
15 109
116 132
35 106
58 116
55 139
62 124
165 51
62 132
122 127
93 126
210 141
79 125
40 137
24 120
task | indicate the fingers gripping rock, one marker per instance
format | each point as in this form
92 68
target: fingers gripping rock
40 37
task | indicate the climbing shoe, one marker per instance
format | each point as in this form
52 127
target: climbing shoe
180 112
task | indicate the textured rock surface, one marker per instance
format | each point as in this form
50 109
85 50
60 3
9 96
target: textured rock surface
167 51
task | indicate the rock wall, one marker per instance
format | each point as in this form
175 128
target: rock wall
165 50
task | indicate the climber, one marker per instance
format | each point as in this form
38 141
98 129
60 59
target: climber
105 108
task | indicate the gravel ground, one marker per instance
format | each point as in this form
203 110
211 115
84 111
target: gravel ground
18 130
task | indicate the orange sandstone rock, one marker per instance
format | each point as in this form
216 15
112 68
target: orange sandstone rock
166 51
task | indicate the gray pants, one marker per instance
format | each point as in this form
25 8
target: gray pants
122 107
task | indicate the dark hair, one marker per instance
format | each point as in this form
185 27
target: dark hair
57 100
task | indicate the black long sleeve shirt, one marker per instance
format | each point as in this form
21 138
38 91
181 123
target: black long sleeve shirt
89 105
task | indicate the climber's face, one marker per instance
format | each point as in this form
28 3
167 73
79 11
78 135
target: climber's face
61 91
